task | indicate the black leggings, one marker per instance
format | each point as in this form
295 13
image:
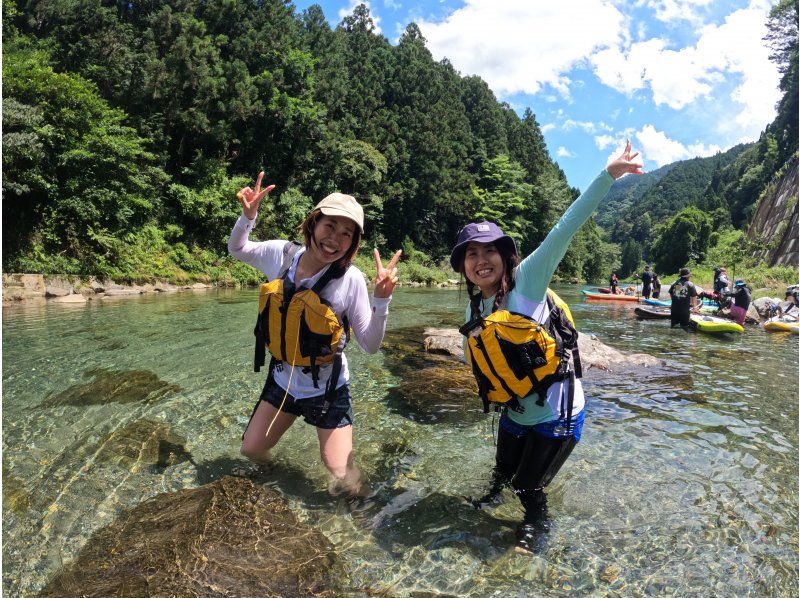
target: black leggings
530 462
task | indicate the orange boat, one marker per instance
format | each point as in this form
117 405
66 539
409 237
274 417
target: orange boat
604 297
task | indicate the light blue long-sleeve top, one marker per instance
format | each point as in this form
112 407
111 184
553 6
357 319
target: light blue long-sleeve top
528 297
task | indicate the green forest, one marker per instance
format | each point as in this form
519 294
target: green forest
129 126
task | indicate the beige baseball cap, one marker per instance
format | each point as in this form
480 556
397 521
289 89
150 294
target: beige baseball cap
339 204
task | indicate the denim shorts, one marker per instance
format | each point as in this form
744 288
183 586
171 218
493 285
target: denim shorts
338 415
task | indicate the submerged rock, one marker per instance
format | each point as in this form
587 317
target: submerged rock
433 387
228 538
145 442
110 386
437 394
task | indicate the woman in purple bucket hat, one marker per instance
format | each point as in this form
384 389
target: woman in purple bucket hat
537 432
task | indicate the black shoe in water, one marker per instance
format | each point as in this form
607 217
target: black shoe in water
532 533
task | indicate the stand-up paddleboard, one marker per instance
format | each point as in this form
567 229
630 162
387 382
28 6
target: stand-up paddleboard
778 324
651 313
657 302
603 297
712 325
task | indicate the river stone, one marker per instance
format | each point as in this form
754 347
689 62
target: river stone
227 538
110 386
594 354
123 291
444 341
145 442
18 287
73 298
752 314
443 393
763 305
164 287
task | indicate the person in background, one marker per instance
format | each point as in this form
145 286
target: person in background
613 284
788 308
721 282
647 281
656 286
684 300
741 301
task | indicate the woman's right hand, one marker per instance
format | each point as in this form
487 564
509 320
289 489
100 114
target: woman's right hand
251 198
624 164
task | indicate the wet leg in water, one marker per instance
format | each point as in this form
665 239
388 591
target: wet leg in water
336 450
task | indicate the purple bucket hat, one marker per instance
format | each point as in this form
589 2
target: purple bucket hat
479 232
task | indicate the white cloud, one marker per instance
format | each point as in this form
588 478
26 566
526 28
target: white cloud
391 4
563 152
586 126
547 127
678 10
678 78
657 147
348 10
605 141
521 46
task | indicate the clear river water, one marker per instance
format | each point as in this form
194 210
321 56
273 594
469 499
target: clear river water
685 481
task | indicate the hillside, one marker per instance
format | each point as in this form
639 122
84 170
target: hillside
632 208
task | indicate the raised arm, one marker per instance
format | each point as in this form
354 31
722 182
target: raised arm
536 270
369 323
262 255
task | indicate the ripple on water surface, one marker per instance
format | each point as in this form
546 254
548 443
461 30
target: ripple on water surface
685 482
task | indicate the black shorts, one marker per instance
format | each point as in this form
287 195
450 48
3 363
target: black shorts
338 415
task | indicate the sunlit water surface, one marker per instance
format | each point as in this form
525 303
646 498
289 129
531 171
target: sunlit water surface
682 484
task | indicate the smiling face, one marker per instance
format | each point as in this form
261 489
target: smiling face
483 266
332 237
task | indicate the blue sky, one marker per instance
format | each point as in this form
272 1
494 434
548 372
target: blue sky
681 78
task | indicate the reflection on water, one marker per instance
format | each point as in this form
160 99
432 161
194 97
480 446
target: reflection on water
683 483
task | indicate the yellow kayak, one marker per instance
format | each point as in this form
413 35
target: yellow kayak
712 325
778 325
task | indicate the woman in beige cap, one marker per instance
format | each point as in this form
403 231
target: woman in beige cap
332 234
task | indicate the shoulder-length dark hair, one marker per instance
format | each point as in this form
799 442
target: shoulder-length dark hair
306 229
510 263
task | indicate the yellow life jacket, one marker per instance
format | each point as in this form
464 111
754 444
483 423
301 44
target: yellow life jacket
512 355
298 326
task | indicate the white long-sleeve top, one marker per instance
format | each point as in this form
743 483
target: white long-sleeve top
347 296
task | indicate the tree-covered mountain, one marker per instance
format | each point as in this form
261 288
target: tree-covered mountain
632 208
128 126
677 214
627 191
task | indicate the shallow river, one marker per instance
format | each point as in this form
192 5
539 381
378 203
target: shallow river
683 483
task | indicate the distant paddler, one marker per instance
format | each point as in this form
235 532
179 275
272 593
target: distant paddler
684 300
742 297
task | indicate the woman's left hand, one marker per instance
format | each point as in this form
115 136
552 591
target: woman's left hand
624 164
385 278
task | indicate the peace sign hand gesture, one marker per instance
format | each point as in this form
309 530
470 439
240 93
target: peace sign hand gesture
385 278
624 164
251 198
